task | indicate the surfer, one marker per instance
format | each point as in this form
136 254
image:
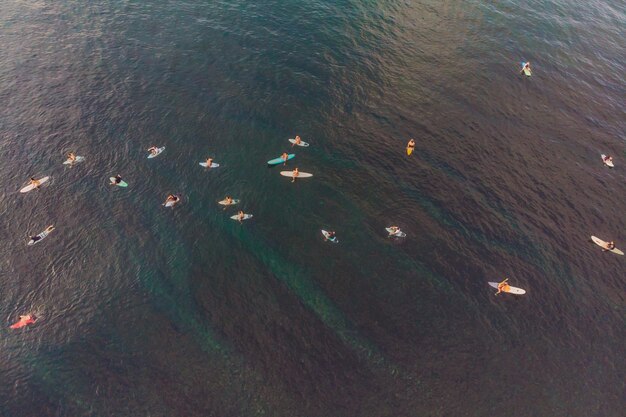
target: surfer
71 157
298 141
171 199
503 286
284 157
240 216
35 183
209 161
330 235
229 200
153 150
294 175
117 180
609 246
394 230
24 321
525 67
608 159
410 146
38 237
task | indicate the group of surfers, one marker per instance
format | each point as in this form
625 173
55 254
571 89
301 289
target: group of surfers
173 199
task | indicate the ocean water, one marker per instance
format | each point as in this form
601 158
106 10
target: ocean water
147 311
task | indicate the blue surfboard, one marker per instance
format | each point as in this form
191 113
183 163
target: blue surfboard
280 160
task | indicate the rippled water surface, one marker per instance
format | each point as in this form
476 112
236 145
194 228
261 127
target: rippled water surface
147 311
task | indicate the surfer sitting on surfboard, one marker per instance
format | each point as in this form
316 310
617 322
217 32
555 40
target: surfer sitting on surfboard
171 199
71 157
294 175
209 161
116 180
393 230
297 141
608 159
410 146
240 216
284 157
525 67
229 200
153 150
35 183
503 286
609 246
330 235
24 321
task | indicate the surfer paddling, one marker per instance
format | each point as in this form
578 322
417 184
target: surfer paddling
37 238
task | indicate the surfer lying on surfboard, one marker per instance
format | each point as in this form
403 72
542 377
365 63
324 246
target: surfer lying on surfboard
24 321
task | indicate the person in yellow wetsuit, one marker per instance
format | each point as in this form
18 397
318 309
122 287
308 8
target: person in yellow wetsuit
410 146
503 286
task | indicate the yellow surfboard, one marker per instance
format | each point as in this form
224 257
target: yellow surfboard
409 151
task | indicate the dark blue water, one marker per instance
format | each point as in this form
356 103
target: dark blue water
147 311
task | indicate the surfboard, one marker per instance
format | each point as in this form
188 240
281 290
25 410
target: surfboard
213 165
76 161
607 163
527 71
510 290
41 235
302 143
327 234
399 233
245 217
31 187
225 203
280 160
603 244
158 152
300 175
409 151
121 184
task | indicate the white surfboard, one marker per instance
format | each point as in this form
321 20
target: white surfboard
300 175
157 153
245 217
603 244
31 187
226 203
327 236
302 143
213 165
399 233
41 237
607 163
510 290
76 161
